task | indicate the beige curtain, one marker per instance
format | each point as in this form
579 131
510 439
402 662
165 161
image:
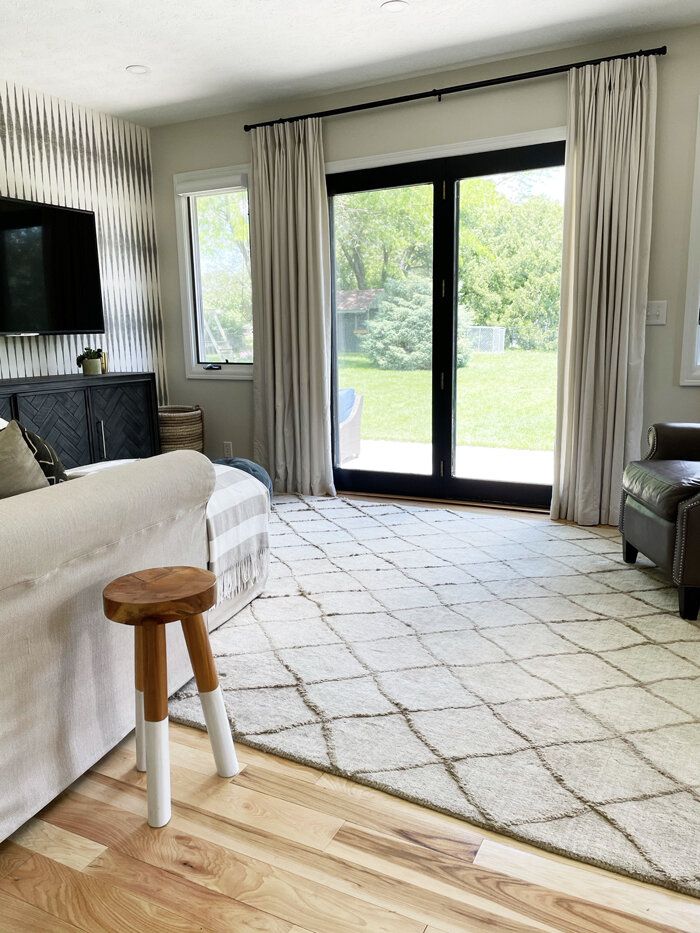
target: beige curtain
607 228
291 307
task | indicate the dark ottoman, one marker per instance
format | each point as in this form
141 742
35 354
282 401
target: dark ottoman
248 466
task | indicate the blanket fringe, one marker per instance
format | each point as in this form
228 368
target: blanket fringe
253 568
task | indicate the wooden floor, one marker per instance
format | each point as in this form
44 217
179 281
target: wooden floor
283 847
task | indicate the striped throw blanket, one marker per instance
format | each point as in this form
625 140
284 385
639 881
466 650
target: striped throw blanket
237 522
237 517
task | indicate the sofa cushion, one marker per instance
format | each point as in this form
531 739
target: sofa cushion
43 453
19 470
662 485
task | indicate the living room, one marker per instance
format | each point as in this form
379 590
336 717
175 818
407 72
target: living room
350 362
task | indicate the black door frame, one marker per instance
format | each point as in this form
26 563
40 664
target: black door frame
444 175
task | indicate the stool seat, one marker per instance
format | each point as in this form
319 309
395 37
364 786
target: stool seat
159 594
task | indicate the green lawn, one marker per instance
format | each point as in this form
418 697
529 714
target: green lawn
503 400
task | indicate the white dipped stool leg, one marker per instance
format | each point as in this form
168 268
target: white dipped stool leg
138 700
197 639
158 768
155 701
219 730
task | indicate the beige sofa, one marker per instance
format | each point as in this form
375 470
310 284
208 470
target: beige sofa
67 673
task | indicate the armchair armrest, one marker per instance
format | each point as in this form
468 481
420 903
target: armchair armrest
674 441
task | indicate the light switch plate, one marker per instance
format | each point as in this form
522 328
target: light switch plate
656 312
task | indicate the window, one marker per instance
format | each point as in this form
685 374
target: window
215 276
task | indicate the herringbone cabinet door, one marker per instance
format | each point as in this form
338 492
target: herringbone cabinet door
61 419
123 412
5 409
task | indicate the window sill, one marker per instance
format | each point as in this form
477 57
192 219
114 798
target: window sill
690 377
238 372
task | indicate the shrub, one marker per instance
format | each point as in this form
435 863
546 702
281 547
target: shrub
400 336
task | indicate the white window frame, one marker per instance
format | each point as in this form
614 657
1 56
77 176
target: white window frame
210 181
552 134
690 351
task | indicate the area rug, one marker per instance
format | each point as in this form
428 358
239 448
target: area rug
511 671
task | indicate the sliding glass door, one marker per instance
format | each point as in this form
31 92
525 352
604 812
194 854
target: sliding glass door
446 303
509 244
384 329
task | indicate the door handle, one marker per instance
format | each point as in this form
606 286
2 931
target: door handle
102 435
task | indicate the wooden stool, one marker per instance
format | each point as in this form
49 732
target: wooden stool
148 600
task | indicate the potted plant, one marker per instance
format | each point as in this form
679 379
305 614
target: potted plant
91 361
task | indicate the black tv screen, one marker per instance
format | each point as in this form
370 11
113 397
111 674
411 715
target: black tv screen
49 270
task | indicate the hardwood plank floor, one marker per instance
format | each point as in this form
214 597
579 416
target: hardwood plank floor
287 849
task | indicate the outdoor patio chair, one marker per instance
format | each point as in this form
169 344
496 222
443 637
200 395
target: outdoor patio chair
349 424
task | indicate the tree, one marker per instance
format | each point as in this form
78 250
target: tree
509 252
400 336
510 262
382 234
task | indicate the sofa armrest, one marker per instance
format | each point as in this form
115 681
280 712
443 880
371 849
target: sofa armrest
669 441
686 562
45 529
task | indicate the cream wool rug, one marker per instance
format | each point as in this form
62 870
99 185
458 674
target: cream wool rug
510 671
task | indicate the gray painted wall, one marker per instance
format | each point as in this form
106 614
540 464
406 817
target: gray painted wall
59 153
219 141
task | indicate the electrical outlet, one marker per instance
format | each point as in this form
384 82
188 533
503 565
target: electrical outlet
656 312
228 449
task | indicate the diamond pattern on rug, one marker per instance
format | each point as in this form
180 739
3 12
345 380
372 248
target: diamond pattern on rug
428 688
684 694
603 771
676 853
631 709
534 793
591 837
267 709
508 670
376 742
338 699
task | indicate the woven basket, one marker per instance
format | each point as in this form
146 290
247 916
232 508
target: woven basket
181 427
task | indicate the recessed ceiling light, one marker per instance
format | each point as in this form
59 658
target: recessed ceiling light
137 69
394 6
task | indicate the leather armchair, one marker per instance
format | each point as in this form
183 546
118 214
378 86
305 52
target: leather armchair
660 513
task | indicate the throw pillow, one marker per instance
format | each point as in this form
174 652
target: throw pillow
19 471
45 456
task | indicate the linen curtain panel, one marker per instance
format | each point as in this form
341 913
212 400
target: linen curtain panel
291 307
607 231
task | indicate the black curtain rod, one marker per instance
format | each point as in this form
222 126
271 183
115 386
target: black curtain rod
456 88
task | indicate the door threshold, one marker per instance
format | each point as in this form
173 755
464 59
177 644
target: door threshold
467 503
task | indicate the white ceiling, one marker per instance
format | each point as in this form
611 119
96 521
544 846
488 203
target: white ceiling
214 56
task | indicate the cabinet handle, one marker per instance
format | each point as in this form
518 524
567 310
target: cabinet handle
104 442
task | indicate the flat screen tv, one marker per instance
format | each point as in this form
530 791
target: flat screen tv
49 270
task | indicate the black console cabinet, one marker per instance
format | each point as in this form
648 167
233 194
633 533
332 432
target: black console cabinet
87 418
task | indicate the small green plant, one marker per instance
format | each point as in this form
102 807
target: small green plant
89 354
